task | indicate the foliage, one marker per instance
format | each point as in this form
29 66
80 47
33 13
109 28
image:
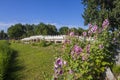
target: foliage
5 56
16 31
97 10
3 35
42 43
75 30
19 31
85 59
64 30
80 31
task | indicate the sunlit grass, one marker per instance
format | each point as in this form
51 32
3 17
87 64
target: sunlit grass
33 61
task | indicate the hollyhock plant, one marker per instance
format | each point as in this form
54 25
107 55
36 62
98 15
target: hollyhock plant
70 71
105 23
77 49
88 48
86 60
84 34
59 62
89 32
71 33
94 28
90 26
101 46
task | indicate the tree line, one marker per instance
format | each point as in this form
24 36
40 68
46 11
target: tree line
19 30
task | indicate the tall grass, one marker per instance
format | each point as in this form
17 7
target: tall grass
5 56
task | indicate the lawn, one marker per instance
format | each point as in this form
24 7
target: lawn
30 62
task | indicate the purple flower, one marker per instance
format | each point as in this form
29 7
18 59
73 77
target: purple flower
72 52
94 28
90 25
58 63
55 65
88 48
71 33
61 72
83 58
84 34
89 32
77 49
101 46
105 23
70 71
67 41
64 62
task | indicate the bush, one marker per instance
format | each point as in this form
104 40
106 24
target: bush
86 60
34 44
43 43
5 56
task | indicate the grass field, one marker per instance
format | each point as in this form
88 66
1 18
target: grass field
29 62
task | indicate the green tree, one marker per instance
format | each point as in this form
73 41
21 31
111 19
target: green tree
75 30
29 30
52 29
64 30
41 29
3 35
80 31
98 10
16 31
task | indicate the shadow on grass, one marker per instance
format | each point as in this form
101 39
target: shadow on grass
14 68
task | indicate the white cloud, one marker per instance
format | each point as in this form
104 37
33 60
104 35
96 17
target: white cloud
5 24
68 25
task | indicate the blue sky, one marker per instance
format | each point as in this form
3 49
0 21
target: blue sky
57 12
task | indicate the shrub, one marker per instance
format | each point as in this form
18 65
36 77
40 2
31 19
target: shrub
84 59
43 43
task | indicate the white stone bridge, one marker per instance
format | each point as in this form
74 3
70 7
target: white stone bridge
49 38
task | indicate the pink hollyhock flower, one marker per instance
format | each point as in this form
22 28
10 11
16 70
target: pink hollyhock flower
88 48
89 32
65 62
101 46
55 65
94 28
90 26
71 33
84 34
83 58
77 49
67 41
61 72
59 62
70 71
105 23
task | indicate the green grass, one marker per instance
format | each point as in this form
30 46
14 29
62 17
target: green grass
30 62
116 70
5 57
